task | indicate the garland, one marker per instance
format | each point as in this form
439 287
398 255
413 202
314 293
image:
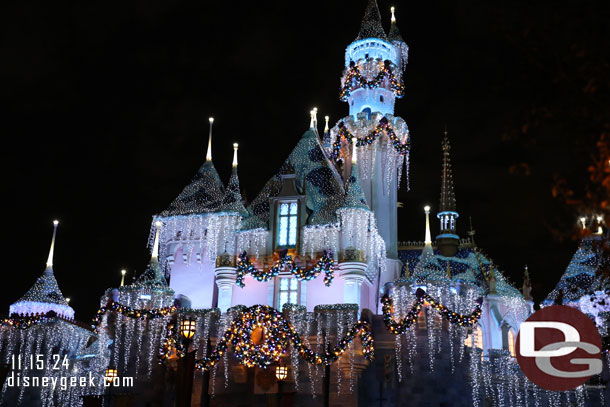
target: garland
131 312
24 322
404 324
276 334
325 263
344 133
354 75
170 343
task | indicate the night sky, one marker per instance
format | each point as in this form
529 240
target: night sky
106 112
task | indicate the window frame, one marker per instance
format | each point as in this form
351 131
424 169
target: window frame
278 290
291 217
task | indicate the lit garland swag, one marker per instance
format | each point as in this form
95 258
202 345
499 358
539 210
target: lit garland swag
325 264
276 334
402 148
132 312
24 322
354 75
404 324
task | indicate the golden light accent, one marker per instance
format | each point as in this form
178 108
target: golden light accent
188 328
111 374
281 372
235 148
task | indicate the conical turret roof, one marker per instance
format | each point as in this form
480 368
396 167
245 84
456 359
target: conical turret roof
44 295
232 201
371 26
203 194
153 276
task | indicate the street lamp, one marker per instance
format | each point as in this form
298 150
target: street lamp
281 373
111 374
187 328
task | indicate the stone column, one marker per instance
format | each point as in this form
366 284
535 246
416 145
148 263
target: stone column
226 275
353 273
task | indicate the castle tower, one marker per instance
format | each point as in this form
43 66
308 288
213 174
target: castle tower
371 82
448 240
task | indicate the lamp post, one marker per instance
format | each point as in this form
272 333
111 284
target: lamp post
110 375
188 328
281 373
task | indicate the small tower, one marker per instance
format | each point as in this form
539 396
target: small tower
372 51
448 240
44 296
370 84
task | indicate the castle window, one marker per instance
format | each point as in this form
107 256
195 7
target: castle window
287 225
381 98
287 291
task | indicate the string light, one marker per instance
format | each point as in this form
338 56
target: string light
383 126
401 326
325 264
274 334
353 80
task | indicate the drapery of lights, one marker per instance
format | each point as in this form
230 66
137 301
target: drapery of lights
354 79
276 334
400 327
344 133
325 264
132 312
171 343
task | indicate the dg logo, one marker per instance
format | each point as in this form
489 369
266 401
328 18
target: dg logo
559 348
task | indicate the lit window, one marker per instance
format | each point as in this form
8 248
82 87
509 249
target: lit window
287 224
475 338
287 292
145 296
511 343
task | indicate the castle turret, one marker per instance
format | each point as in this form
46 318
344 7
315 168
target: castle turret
371 82
448 240
372 56
44 296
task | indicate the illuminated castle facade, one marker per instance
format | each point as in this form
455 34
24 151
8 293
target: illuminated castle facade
309 276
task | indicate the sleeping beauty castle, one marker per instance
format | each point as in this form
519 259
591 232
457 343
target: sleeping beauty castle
304 296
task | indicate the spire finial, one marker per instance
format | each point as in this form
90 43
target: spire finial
326 119
393 20
208 156
52 249
428 241
235 147
311 119
123 272
155 252
354 151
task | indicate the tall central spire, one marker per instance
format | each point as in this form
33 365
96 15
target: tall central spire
447 192
371 23
448 240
